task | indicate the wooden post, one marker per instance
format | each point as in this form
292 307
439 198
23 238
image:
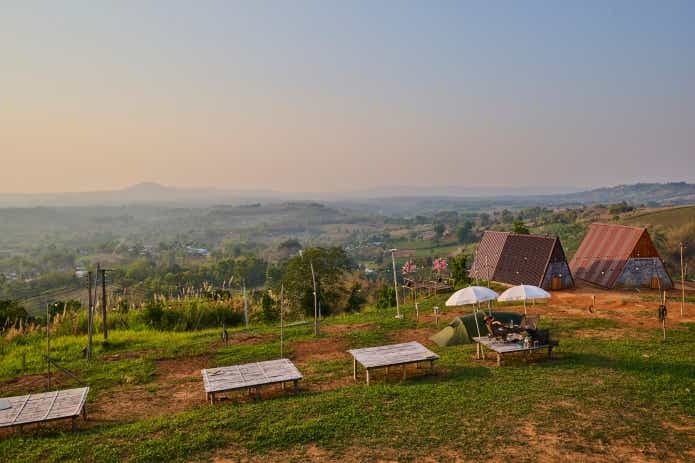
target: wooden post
367 376
246 307
48 345
354 369
90 315
682 280
417 312
663 321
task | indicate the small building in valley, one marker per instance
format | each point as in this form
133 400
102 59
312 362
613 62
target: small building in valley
516 259
618 256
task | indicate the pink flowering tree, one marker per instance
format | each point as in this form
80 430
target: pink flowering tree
440 265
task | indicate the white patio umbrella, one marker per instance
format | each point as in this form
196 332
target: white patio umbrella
472 295
524 293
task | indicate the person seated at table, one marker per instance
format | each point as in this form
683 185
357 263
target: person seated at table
495 327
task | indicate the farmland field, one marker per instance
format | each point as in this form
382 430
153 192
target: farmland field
614 392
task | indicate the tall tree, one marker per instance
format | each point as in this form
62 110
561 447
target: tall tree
520 228
457 265
330 264
464 232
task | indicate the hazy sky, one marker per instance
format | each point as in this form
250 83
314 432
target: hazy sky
345 95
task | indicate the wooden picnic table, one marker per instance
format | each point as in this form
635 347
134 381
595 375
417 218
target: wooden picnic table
391 355
249 376
506 347
46 406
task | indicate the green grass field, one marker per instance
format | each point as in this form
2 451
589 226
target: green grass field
669 217
608 396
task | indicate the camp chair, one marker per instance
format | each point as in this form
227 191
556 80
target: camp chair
530 322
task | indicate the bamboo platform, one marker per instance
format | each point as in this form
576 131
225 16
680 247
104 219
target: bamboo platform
249 376
391 356
47 406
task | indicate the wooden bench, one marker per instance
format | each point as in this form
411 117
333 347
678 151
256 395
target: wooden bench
391 355
43 407
249 376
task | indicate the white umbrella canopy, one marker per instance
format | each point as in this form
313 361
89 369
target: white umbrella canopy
471 295
524 293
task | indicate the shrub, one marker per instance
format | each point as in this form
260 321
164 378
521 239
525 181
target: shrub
386 297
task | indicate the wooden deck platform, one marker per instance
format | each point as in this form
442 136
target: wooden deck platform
501 348
390 356
249 376
46 406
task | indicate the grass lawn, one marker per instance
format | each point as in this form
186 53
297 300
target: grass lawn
608 396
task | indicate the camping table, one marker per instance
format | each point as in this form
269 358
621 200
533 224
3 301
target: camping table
46 406
505 347
248 376
391 355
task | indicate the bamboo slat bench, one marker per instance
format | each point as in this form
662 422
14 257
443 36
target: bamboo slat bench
249 376
501 348
390 356
43 407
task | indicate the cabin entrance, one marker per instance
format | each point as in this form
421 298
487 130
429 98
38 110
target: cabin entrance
556 283
655 283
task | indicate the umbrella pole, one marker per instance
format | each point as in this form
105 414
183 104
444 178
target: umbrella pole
475 316
524 306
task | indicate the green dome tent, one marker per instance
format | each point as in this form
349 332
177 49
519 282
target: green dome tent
462 330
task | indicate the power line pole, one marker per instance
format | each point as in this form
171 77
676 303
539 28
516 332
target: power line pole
395 283
103 303
282 321
48 342
316 307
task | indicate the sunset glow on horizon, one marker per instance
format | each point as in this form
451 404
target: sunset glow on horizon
306 96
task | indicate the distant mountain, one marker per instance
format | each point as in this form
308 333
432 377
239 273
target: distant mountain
387 200
141 193
662 194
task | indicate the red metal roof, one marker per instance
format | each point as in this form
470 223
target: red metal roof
488 254
524 259
515 258
604 251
